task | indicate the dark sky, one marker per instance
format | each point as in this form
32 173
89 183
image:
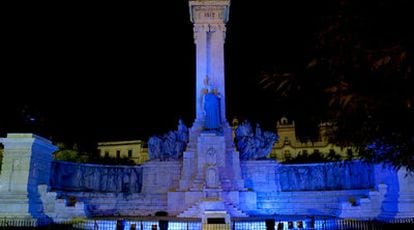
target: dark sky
95 72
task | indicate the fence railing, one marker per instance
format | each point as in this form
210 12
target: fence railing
166 223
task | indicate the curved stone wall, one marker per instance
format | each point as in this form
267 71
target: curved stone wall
70 176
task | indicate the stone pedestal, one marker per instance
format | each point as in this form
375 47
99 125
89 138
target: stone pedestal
398 199
212 167
210 177
26 164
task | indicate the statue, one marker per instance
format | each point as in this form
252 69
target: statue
211 102
169 146
154 147
253 145
182 131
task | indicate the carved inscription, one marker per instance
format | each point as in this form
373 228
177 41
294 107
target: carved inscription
209 13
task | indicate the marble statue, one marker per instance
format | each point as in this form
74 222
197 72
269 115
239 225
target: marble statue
253 145
169 146
154 147
212 110
182 131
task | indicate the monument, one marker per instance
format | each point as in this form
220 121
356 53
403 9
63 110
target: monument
210 183
202 175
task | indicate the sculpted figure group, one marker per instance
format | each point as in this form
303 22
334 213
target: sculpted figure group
169 146
253 145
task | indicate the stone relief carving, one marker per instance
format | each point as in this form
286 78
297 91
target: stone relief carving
211 156
211 179
84 177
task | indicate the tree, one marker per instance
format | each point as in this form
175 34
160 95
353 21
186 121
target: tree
74 154
71 154
359 73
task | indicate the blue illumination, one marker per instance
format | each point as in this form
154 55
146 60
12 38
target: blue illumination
251 144
379 148
169 146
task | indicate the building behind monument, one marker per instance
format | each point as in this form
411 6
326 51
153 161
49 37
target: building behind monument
135 150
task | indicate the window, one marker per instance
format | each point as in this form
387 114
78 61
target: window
129 153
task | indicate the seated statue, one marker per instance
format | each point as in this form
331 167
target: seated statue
253 145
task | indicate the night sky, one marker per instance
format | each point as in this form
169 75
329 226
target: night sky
98 72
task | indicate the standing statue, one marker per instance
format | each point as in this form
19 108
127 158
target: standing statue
182 131
154 147
212 119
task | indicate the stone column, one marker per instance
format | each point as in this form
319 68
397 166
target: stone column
218 33
26 165
200 39
209 18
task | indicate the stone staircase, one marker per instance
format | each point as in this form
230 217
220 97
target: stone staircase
191 212
212 205
333 202
197 184
366 206
234 211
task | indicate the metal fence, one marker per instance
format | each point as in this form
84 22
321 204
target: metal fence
166 223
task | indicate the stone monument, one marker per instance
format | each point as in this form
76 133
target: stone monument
210 180
210 183
26 166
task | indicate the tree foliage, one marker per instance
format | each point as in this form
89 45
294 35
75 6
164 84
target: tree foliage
71 154
358 73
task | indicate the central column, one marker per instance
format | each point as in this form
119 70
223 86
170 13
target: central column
209 18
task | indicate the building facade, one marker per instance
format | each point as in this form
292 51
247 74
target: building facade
135 150
290 146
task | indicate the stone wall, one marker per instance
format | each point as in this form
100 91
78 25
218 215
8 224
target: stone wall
95 178
326 176
116 190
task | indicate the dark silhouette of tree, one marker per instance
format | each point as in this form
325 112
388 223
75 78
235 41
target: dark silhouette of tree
358 74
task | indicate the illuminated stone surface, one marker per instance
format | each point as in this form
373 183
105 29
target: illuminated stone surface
209 180
26 164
